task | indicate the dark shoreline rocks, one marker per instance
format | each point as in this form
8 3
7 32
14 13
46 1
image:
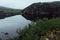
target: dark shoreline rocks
4 14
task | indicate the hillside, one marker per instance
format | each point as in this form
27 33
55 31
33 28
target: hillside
10 10
6 12
42 10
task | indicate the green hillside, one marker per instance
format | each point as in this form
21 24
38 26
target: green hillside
10 11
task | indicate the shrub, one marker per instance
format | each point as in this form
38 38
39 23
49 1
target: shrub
41 28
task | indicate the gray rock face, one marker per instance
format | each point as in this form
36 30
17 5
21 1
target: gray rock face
41 10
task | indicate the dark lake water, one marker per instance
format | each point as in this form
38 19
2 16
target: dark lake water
11 24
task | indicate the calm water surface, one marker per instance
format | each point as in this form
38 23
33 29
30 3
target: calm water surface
11 24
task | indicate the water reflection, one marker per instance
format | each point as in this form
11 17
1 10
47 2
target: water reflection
11 24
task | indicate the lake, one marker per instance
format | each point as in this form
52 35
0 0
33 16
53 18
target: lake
11 24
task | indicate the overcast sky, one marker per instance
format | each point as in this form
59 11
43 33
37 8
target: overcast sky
20 4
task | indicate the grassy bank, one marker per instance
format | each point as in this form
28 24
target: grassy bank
40 29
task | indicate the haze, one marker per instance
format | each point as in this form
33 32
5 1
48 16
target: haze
20 4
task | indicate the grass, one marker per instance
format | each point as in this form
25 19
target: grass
41 28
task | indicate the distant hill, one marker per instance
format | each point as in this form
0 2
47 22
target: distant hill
10 10
7 12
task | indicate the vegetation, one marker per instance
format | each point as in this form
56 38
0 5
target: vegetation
40 29
7 12
42 10
10 11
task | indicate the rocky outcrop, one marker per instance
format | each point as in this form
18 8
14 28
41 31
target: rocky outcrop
42 10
